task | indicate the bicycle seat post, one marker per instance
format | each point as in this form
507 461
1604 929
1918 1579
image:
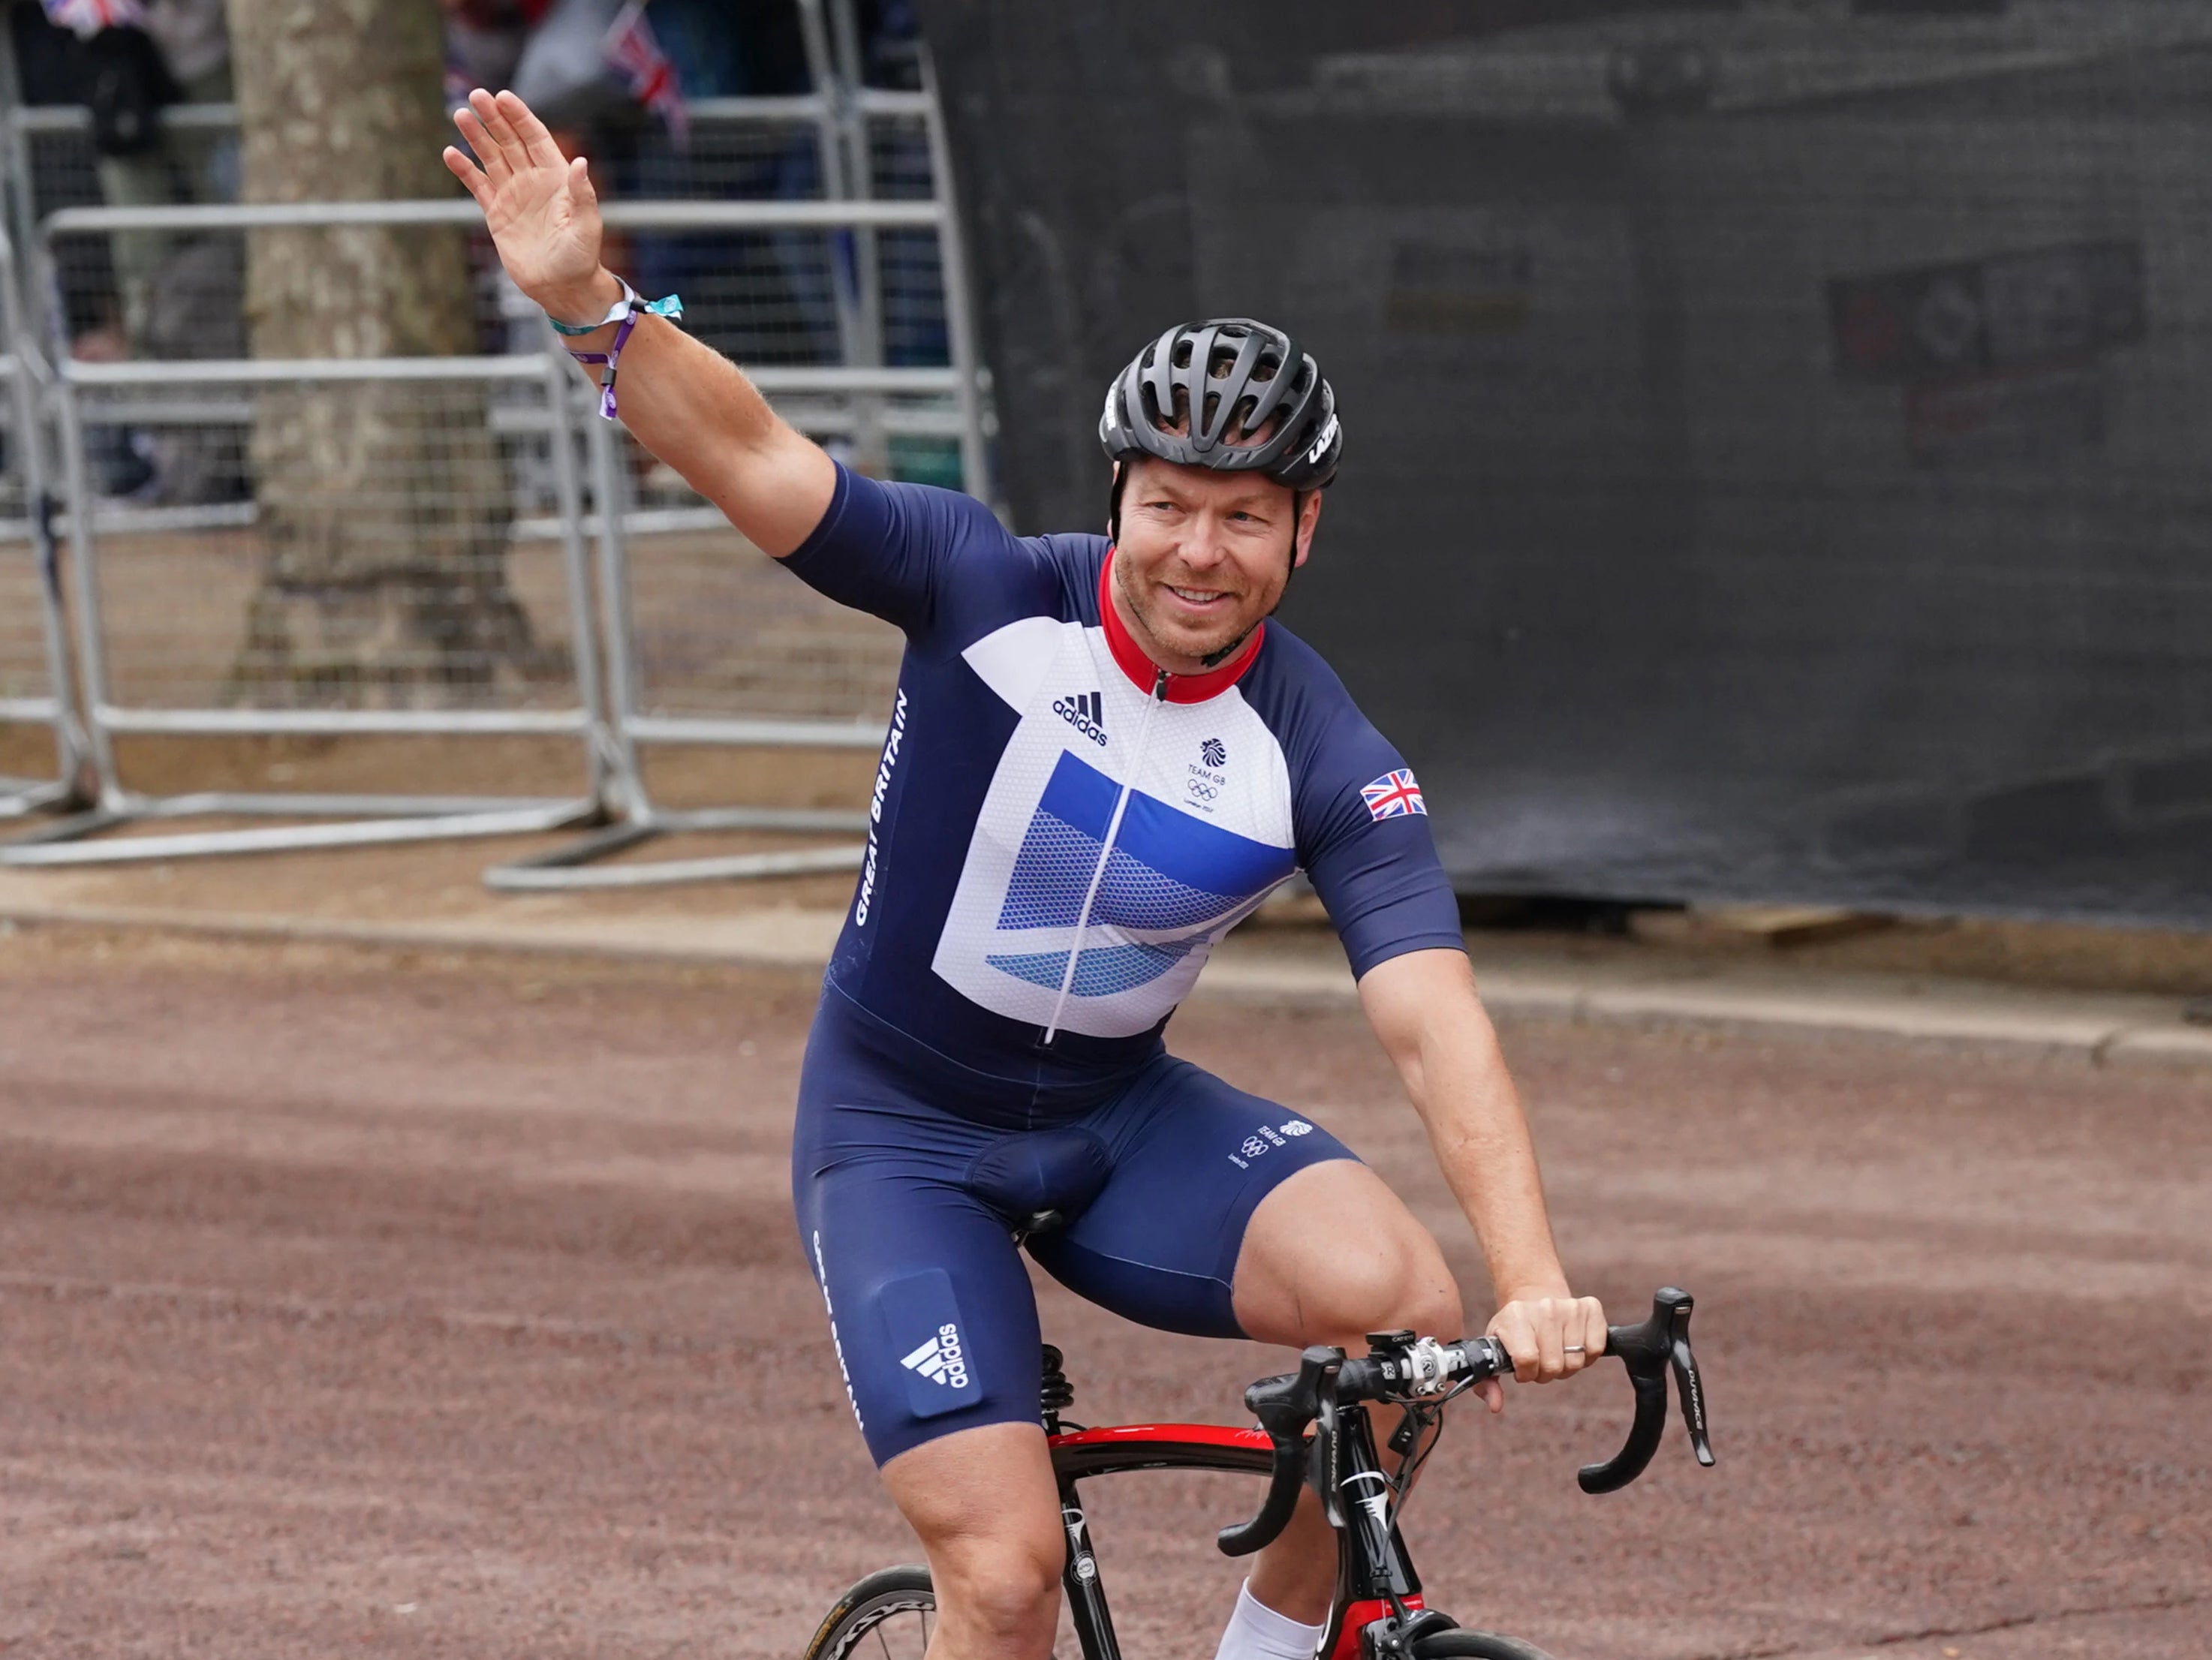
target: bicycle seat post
1054 1393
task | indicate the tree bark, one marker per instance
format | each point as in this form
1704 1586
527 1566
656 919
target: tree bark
384 506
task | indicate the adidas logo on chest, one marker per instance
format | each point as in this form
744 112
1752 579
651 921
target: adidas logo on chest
1087 712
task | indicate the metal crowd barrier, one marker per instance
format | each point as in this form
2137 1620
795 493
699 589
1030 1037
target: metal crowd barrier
855 148
799 671
137 690
37 684
611 719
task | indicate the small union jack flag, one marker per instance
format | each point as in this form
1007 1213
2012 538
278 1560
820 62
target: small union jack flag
1393 795
632 50
87 18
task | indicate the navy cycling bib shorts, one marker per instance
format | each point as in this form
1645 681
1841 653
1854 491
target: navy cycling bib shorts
1059 834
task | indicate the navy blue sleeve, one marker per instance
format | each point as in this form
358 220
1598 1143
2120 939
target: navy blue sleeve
1379 876
933 563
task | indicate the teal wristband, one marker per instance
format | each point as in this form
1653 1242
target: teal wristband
621 309
627 312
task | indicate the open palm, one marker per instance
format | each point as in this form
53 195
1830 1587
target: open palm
540 206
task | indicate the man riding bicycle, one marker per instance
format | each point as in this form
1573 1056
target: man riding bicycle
1103 755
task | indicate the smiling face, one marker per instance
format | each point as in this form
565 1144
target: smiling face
1203 557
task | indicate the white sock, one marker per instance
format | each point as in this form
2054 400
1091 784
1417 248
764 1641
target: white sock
1256 1631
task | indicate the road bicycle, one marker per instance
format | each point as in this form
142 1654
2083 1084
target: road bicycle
1306 1437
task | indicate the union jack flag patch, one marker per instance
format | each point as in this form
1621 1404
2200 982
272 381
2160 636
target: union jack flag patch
1393 795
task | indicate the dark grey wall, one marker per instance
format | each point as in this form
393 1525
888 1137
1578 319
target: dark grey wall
1793 485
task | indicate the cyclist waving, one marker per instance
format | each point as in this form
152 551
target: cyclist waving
1103 755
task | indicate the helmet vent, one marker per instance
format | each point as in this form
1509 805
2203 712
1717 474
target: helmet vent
1230 394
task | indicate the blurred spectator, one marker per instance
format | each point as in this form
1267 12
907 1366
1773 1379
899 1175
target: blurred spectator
484 40
125 61
890 35
179 52
50 69
765 297
724 51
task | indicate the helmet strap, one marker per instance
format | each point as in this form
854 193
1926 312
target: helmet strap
1215 659
1297 517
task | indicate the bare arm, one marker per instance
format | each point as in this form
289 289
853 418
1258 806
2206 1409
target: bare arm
685 403
1432 1023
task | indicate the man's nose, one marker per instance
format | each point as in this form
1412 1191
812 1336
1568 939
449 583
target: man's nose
1204 545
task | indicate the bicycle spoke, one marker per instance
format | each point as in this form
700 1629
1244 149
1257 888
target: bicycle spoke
882 1642
925 1631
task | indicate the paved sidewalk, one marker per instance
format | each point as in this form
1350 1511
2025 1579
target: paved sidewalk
1647 987
419 899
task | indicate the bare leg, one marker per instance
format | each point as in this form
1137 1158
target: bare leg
1329 1255
987 1510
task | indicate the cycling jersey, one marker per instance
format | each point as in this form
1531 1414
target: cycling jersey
1058 835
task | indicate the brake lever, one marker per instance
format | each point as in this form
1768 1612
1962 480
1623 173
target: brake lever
1649 1351
1285 1405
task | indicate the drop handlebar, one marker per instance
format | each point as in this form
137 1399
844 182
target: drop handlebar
1400 1367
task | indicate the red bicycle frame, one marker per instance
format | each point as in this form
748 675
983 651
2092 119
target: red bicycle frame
1112 1452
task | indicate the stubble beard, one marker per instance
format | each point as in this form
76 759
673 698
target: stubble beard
1155 643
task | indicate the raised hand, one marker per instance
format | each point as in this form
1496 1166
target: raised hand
540 207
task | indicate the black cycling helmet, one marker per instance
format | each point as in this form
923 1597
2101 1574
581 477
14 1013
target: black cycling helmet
1202 378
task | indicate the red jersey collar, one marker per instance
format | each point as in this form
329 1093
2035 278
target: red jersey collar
1143 671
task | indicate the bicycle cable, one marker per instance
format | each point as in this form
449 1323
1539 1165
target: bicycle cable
1420 1416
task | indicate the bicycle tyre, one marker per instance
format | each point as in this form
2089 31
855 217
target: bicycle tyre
1461 1645
885 1596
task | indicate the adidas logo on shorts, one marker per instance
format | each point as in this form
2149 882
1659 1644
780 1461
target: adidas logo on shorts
941 1360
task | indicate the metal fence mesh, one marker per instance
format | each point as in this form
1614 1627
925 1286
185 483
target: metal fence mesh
370 560
718 629
769 298
23 668
109 283
762 297
912 271
370 545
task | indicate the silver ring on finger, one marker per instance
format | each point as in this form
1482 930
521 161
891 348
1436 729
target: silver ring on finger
1576 1348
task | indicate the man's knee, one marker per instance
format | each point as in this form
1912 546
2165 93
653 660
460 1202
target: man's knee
1004 1587
987 1510
1333 1254
1382 1285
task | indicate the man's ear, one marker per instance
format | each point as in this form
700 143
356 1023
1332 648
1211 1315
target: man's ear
1309 518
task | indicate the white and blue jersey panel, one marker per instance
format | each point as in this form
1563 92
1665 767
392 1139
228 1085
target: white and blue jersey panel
1197 846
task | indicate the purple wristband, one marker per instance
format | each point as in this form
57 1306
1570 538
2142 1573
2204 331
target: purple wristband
670 307
612 358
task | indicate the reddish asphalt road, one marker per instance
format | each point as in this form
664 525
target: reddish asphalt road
351 1305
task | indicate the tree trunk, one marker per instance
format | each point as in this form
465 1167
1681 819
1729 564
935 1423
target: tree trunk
384 506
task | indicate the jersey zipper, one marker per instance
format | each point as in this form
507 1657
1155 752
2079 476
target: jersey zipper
1106 851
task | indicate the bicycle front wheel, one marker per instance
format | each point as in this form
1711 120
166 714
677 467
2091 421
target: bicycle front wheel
887 1616
1476 1645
